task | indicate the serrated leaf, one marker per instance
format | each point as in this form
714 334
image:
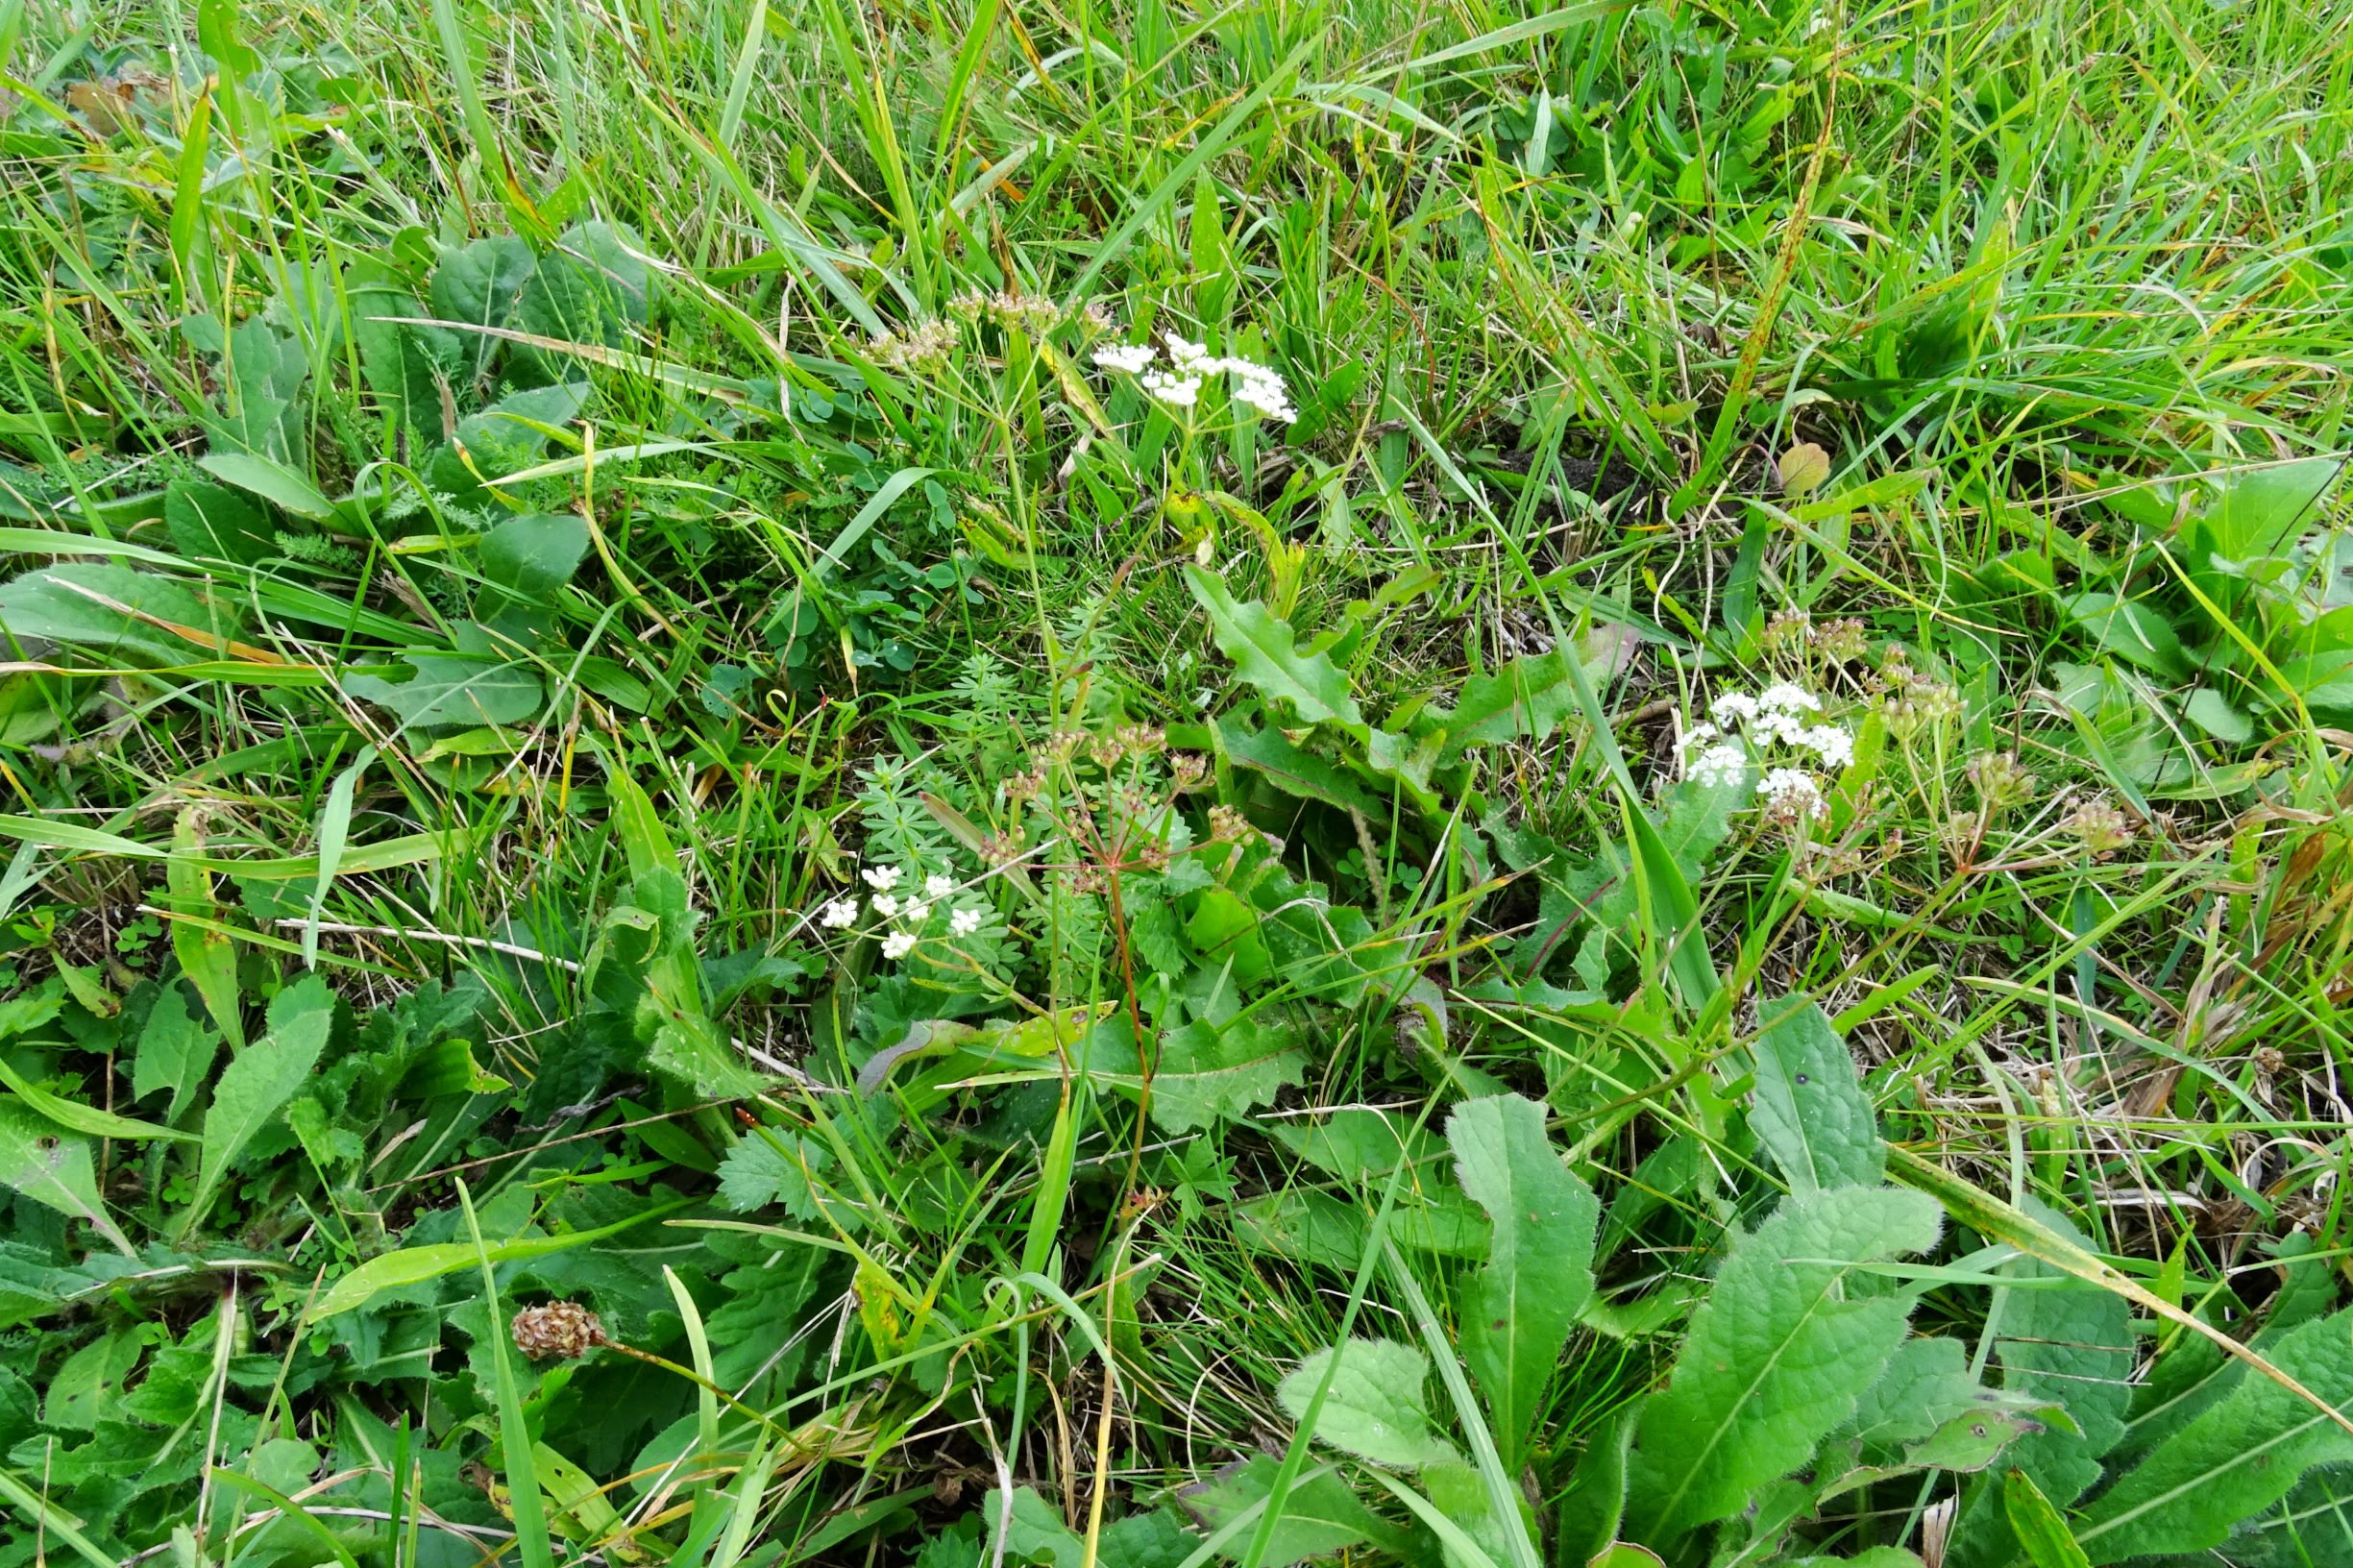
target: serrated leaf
1209 1073
1810 1111
257 1084
1261 646
1294 771
1518 1310
1375 1408
1775 1357
2235 1459
757 1173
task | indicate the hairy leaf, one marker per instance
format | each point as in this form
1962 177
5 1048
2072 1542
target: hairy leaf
2235 1459
1211 1072
1375 1408
53 1168
1517 1311
1320 1515
1810 1111
1777 1356
256 1085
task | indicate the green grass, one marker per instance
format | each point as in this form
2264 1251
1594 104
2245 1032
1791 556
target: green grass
508 509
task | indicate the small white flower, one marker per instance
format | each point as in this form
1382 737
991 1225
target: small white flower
886 904
841 912
1697 736
881 878
1191 358
936 887
1261 389
1177 391
1733 708
898 945
1789 699
1835 746
1131 357
917 912
1719 764
1792 792
964 921
1783 725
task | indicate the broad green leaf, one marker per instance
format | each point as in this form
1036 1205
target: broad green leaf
1294 771
270 479
1778 1355
509 435
1595 1503
2038 1525
2235 1459
394 358
1320 1227
455 688
591 287
206 955
1517 1311
1376 1408
1319 1517
1526 699
1810 1111
2211 712
2256 510
53 1168
1209 1073
256 1085
125 615
477 285
208 522
86 1120
2130 630
1261 648
535 553
87 1386
414 1265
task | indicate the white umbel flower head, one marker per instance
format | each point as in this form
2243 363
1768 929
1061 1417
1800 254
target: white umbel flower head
886 904
898 945
936 887
1835 746
841 913
964 921
1782 695
1697 736
1132 358
1261 389
1191 358
1791 793
1732 709
881 878
1717 765
917 912
1177 391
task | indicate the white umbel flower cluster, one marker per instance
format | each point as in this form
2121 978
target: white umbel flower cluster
1191 366
899 920
1745 730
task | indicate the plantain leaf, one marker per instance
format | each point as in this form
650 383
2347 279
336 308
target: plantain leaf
1517 1311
